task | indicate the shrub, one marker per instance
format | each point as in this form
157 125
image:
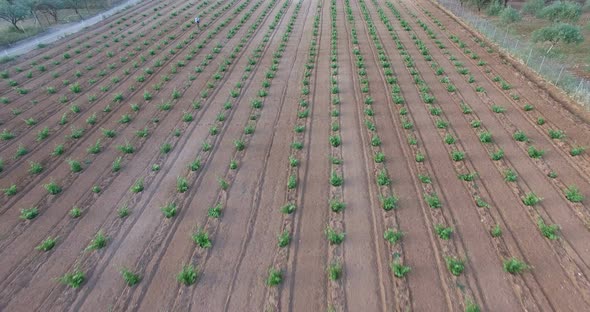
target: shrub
510 15
494 9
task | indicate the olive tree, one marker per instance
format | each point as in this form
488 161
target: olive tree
13 12
557 33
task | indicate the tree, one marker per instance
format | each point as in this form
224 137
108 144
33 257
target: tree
75 5
480 4
13 12
562 12
556 33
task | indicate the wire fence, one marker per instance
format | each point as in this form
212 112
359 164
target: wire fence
525 51
63 31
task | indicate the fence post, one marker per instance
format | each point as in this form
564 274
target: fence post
579 86
559 76
528 58
541 66
494 35
516 46
504 41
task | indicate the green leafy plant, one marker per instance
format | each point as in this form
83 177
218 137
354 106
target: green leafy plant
535 153
98 242
47 244
275 277
334 238
443 232
137 186
432 200
457 155
334 271
549 231
29 213
131 278
455 265
389 202
169 210
73 279
573 194
201 238
188 275
288 208
181 184
52 188
284 239
400 270
514 266
335 179
337 205
496 231
11 190
75 212
530 199
577 151
393 236
510 175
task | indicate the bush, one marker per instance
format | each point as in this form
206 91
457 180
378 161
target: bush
494 9
510 15
562 11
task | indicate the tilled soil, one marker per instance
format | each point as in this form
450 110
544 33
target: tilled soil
245 124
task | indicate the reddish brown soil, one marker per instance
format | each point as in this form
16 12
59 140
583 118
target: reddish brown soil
233 272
